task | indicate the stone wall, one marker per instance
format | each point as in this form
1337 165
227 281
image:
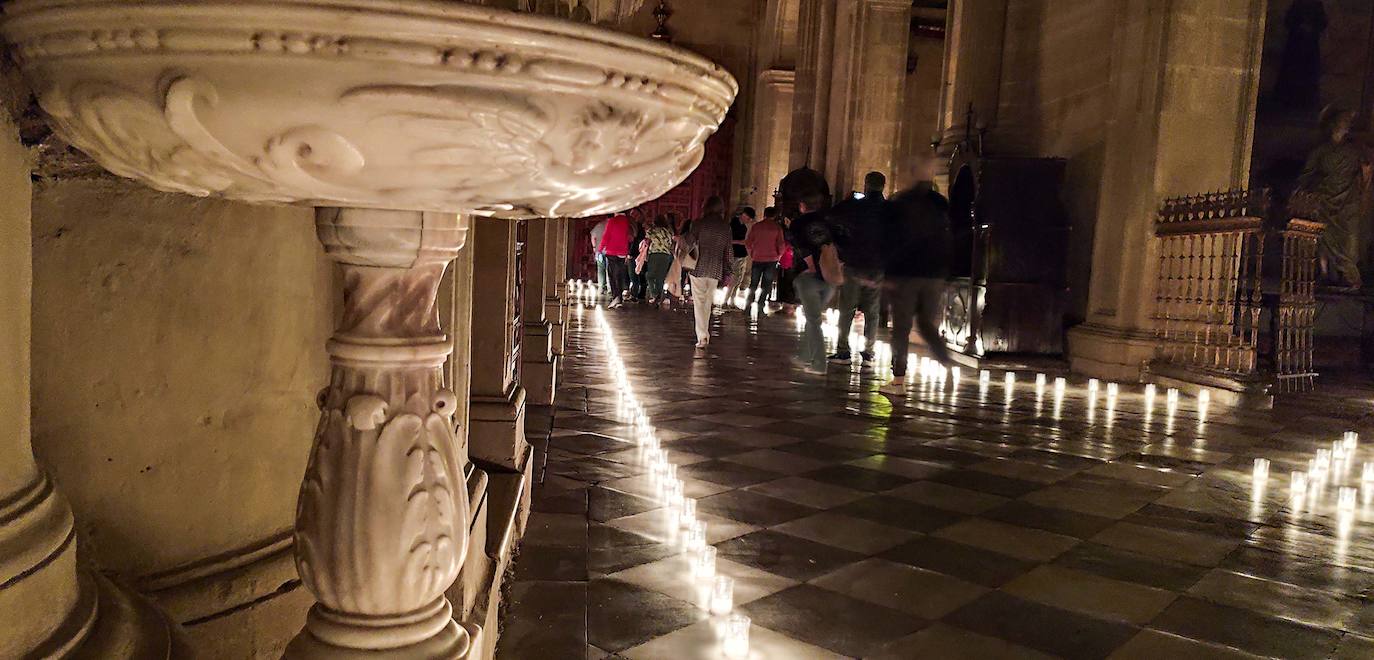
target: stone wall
178 346
1053 101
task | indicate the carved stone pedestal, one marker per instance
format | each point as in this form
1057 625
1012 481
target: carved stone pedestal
381 524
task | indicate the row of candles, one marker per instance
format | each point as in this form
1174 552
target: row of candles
679 511
1339 458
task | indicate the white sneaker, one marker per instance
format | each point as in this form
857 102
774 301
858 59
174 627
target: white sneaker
896 387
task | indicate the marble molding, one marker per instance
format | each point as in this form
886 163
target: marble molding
396 119
418 105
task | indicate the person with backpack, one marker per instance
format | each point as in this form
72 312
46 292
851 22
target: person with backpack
816 267
917 262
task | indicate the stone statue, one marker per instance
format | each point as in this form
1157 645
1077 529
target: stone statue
1336 174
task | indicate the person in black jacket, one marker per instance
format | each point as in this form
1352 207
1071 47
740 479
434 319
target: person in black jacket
919 246
859 223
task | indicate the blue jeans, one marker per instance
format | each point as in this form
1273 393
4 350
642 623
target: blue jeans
602 281
859 293
814 293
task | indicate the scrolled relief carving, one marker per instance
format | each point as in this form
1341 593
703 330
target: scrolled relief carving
381 520
452 148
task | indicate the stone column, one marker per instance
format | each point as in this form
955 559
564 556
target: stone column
50 605
869 73
811 101
382 519
772 133
1184 82
497 415
973 70
556 283
540 369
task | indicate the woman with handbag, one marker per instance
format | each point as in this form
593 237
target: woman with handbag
711 241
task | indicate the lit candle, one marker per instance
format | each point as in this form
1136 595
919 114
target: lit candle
1338 451
1172 395
1204 396
736 643
723 595
984 377
954 373
1039 383
689 511
1261 470
1112 390
696 536
1351 440
704 562
1010 379
1092 386
1367 474
1059 384
1323 459
1347 498
1297 486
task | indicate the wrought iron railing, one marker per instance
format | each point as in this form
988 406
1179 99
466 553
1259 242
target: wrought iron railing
1215 285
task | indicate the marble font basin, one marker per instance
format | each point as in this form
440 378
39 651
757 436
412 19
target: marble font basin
392 104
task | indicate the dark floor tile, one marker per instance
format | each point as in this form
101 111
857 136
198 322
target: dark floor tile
1041 627
593 470
1059 521
824 451
588 443
987 483
558 501
621 615
727 473
857 478
788 556
753 508
898 512
1312 572
710 446
933 454
972 564
608 504
832 621
798 430
551 562
545 620
1128 566
1165 517
1245 630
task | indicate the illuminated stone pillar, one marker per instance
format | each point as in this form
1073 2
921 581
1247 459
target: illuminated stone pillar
540 366
975 33
869 85
1182 121
772 133
50 605
497 414
556 283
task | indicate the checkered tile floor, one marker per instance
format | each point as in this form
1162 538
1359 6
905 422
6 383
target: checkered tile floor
950 524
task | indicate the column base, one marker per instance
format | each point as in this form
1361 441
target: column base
540 369
1105 352
496 430
450 642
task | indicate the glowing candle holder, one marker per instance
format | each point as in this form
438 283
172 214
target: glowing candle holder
736 643
1039 383
1367 474
1261 471
722 595
1172 396
1204 396
1113 390
704 562
1346 499
1323 459
669 469
1351 440
1338 451
1297 485
1059 384
984 377
1010 379
688 513
1093 385
696 536
955 372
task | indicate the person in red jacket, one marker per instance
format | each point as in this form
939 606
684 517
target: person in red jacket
615 244
765 244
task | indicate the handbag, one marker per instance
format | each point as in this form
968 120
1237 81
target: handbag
687 257
832 270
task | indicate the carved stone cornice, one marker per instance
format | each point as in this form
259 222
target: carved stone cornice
369 103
